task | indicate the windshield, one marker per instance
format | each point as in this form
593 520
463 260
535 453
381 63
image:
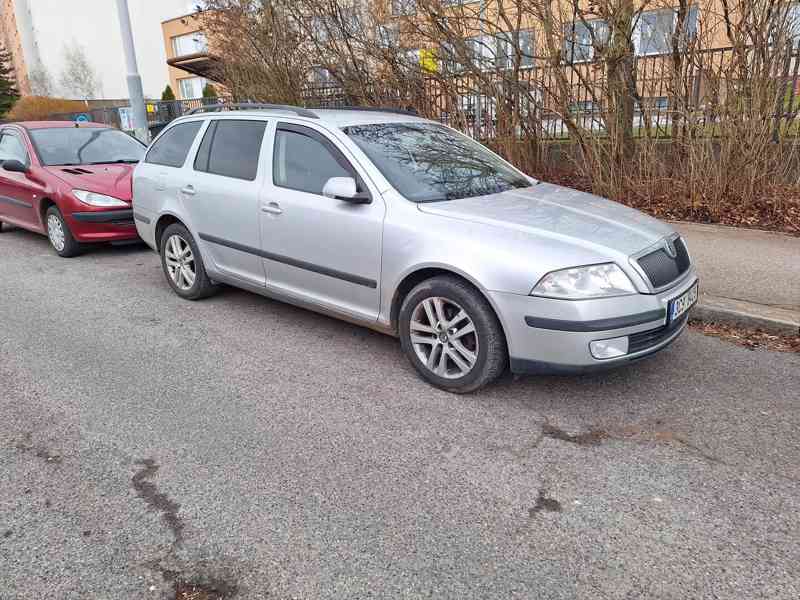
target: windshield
426 162
87 146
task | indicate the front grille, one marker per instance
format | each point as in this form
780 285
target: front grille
653 337
661 269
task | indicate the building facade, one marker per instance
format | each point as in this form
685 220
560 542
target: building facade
188 58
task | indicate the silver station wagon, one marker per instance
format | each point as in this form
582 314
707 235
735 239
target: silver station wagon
404 225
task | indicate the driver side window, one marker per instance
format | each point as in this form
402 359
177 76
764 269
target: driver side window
302 162
11 148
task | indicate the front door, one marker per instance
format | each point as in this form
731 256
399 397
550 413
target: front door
222 196
316 248
17 192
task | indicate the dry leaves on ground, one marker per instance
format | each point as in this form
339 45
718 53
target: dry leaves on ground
754 339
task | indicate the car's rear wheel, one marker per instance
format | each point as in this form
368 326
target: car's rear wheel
451 335
59 234
183 265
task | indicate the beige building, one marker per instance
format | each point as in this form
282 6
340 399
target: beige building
12 41
188 58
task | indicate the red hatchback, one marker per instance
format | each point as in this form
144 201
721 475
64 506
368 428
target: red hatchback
70 181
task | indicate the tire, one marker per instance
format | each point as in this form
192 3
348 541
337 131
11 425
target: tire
59 234
175 262
483 349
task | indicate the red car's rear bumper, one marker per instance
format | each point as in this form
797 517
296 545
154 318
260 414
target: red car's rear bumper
102 225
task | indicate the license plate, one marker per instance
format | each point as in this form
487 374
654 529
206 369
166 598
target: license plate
678 306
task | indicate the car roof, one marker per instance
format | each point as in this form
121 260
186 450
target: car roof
57 124
328 116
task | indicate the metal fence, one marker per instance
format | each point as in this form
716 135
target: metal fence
691 89
159 113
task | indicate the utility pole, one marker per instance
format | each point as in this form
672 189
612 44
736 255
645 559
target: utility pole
135 90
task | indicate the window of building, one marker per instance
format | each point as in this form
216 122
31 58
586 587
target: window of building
189 43
302 162
388 35
786 23
191 87
172 148
581 39
321 76
404 7
231 148
413 57
793 21
654 31
506 49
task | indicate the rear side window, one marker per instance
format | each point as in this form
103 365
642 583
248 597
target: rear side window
231 148
304 163
171 148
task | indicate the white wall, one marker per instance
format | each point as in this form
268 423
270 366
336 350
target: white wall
94 25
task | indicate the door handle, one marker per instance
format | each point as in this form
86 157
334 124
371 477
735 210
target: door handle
188 190
272 208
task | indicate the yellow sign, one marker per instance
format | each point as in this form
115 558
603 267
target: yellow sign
428 61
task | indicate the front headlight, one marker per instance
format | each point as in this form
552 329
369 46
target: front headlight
579 283
95 199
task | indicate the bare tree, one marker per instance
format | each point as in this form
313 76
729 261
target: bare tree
41 81
78 78
610 78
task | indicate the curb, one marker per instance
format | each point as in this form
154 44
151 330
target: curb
747 314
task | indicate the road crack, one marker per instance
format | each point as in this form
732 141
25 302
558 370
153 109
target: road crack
158 501
195 588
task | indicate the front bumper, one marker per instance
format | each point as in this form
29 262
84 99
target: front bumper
102 225
552 336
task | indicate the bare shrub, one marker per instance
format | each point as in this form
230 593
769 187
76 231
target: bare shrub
679 120
32 108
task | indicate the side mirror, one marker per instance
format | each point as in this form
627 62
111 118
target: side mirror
345 189
15 166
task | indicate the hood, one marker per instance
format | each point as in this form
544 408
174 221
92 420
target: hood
112 180
553 211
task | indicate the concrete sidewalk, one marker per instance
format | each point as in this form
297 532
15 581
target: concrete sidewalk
747 277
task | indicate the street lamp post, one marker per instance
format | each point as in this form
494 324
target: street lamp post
135 90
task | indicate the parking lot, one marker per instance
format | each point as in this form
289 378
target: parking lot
275 453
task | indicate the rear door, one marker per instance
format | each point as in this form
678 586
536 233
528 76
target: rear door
17 192
159 178
317 248
222 196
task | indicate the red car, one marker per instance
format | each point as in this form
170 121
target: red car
70 181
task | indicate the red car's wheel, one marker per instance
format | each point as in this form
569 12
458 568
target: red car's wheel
59 234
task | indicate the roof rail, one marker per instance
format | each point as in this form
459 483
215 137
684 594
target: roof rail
300 112
399 111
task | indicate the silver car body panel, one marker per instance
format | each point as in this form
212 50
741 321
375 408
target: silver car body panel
349 260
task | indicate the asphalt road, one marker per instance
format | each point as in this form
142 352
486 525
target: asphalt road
283 454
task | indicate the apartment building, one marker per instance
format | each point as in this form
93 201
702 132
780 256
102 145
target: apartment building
189 60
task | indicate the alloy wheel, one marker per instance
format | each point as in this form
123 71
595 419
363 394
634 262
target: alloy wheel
55 231
444 337
179 259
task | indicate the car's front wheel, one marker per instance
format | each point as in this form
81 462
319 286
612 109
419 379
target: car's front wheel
183 265
59 234
451 335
